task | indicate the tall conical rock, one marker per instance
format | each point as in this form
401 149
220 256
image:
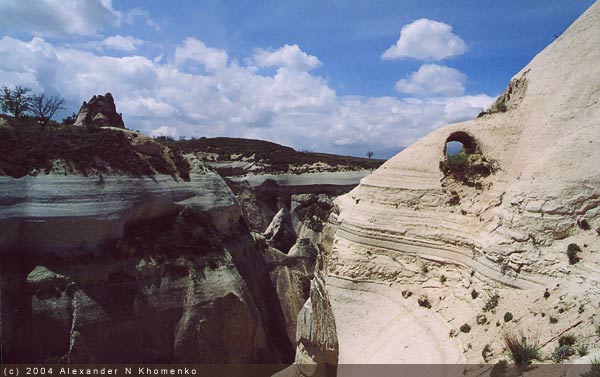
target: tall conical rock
99 111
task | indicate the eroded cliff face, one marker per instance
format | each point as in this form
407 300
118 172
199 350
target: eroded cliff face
111 267
115 263
425 245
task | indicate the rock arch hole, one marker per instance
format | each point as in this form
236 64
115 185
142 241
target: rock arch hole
463 161
458 141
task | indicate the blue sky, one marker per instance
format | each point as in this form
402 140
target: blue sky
332 76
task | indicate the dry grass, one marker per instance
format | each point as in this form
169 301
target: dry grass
522 350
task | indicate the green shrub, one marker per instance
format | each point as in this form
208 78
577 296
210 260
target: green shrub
572 251
508 317
567 340
465 328
474 294
522 350
458 160
492 302
562 352
553 319
582 349
443 279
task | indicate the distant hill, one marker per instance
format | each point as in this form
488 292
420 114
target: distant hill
239 155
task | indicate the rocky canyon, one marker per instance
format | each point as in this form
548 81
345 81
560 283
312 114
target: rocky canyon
116 247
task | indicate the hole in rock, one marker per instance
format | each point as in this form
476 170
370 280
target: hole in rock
463 160
458 141
453 147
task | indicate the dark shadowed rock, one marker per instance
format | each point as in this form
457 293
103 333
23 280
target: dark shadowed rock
280 233
98 112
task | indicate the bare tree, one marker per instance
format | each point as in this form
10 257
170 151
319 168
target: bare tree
15 101
370 154
44 107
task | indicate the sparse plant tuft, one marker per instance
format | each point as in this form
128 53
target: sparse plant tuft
582 349
522 350
562 352
492 302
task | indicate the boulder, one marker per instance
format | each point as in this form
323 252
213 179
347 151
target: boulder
98 112
280 233
42 278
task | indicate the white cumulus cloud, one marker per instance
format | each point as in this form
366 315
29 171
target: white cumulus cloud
164 131
119 42
54 17
194 50
433 80
289 56
426 39
289 106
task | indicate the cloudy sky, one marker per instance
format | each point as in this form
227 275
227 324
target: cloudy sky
336 76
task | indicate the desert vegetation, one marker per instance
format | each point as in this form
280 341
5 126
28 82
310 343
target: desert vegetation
29 150
522 350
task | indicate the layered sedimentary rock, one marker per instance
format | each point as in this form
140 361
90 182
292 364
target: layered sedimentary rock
474 239
74 212
121 268
266 176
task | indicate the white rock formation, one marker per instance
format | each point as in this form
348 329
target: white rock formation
409 227
51 212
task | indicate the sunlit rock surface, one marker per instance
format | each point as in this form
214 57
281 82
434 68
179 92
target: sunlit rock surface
412 229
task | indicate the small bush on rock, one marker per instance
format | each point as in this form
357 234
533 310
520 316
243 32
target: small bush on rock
562 352
567 340
423 301
572 251
492 302
522 350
